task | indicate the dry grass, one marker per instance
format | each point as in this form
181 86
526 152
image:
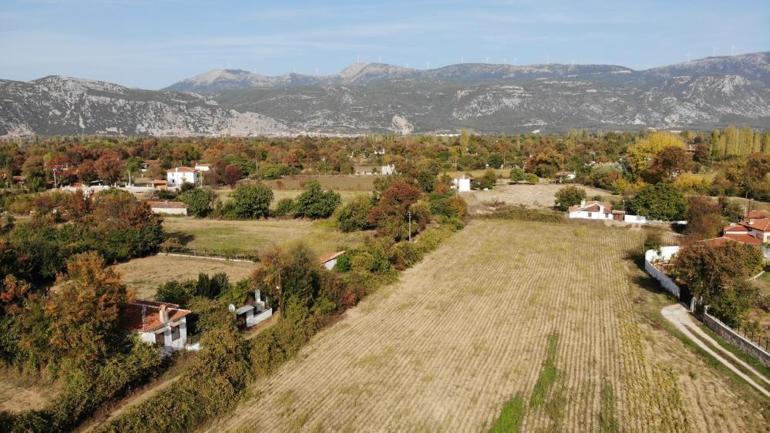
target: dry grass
146 274
340 182
239 237
541 195
461 334
19 394
278 194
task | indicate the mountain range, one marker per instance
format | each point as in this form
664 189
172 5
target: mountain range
379 98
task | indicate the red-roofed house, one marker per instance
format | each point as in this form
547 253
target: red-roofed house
596 210
160 323
759 228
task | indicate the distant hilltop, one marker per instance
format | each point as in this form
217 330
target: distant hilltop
381 98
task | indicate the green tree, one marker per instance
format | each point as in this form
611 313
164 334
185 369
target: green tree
517 174
718 276
569 196
199 201
252 201
284 207
315 203
659 202
133 165
704 217
355 215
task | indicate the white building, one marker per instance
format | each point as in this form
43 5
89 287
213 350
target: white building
596 210
462 184
168 207
178 176
159 323
330 260
388 170
254 312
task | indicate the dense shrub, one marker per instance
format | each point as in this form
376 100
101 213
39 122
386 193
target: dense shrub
659 202
717 274
284 207
569 196
315 203
517 174
355 215
84 393
251 201
212 384
199 201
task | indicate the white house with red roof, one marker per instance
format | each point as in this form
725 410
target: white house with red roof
160 323
754 230
176 177
596 210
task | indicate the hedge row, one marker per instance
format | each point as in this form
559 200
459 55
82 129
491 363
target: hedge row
83 394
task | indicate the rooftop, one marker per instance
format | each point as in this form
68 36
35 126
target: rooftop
144 316
166 204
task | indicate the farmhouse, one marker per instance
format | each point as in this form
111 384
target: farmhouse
758 229
178 176
596 210
330 260
462 184
254 312
159 323
168 207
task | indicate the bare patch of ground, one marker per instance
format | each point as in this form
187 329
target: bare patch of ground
540 195
20 394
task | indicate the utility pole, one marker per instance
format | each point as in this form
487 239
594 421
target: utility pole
409 214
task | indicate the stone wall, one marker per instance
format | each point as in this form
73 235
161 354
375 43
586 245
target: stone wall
738 340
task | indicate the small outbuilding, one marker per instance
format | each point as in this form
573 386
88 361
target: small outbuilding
462 184
330 260
168 207
253 312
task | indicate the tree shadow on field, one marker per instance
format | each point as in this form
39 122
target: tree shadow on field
643 279
181 237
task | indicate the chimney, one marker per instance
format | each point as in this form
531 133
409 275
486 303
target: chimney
582 203
163 314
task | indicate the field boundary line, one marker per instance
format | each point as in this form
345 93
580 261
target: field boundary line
218 258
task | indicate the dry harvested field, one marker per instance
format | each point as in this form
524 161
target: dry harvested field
551 316
239 237
541 195
146 274
18 394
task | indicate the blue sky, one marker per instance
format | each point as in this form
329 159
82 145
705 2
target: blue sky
153 43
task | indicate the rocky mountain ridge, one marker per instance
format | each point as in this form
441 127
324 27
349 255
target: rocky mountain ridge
381 98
